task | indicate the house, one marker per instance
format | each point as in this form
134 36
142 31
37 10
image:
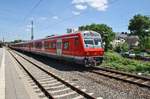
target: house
119 39
133 41
122 35
117 42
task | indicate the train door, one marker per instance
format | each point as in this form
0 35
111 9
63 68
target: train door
59 47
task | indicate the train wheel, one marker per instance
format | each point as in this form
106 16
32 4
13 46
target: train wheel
86 64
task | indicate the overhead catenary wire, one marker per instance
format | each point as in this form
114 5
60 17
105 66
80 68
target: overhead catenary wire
30 12
32 9
39 2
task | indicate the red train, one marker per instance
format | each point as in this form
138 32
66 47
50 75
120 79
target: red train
84 47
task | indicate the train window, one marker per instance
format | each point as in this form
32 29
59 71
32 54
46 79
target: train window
30 45
76 43
46 44
38 45
52 45
66 45
97 42
89 43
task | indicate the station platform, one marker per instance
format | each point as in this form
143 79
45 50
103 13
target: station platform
11 81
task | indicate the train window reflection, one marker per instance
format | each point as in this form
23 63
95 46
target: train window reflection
92 43
97 42
89 42
66 45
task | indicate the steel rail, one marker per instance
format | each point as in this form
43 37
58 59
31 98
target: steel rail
86 95
112 74
36 82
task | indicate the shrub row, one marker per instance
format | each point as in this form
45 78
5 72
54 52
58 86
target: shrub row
115 61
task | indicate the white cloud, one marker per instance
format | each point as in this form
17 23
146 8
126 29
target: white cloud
28 30
100 5
78 1
43 18
80 7
29 26
31 18
55 17
76 13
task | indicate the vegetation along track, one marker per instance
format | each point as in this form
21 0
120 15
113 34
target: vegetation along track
126 77
53 87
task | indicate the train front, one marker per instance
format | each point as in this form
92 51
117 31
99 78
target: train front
93 48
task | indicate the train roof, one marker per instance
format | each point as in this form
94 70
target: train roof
57 36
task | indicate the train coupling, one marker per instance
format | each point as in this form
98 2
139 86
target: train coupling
92 61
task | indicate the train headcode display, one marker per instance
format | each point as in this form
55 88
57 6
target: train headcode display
91 35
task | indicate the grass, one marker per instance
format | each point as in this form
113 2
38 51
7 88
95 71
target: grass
115 61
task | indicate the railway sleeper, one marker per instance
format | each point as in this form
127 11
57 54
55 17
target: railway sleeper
73 93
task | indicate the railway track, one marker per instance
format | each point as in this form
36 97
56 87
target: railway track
49 84
146 59
126 77
122 76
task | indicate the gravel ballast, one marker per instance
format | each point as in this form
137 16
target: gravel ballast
101 86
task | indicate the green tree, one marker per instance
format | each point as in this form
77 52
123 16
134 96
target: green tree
140 25
122 47
17 41
147 42
125 47
106 32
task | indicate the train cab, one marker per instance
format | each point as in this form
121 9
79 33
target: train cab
93 48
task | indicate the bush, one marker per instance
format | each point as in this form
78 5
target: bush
122 47
115 61
112 56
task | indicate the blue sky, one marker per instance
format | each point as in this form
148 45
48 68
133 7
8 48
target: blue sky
54 16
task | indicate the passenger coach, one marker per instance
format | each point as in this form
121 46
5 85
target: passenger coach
83 47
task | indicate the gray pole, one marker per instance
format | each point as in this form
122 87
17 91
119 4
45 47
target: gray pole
32 37
3 40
